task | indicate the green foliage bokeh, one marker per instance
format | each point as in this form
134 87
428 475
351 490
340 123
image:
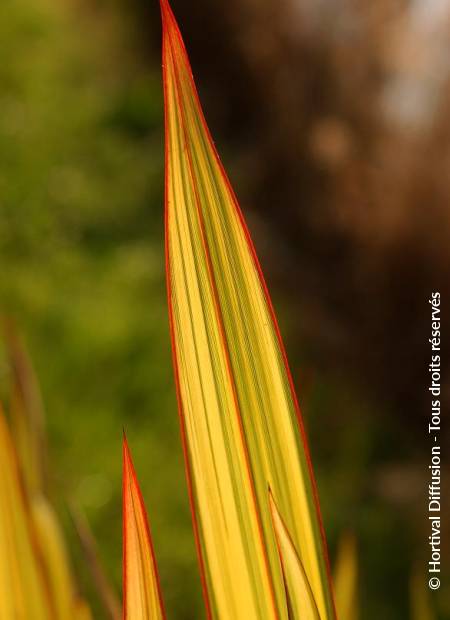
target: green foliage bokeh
81 240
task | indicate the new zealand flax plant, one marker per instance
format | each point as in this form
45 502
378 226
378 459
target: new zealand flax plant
255 510
254 504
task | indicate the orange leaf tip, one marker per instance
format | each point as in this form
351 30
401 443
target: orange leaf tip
141 588
299 595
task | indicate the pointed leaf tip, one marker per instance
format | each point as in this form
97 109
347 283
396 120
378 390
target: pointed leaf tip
299 596
166 13
141 587
241 426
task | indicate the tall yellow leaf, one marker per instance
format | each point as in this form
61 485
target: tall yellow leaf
142 594
240 421
300 599
22 589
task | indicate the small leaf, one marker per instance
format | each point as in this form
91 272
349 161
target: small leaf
301 603
22 588
53 556
142 594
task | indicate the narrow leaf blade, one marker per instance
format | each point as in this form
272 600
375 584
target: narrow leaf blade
28 436
240 421
54 561
23 591
142 594
301 603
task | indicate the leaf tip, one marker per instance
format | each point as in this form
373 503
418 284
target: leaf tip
142 596
166 13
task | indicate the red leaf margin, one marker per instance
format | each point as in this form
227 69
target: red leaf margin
170 25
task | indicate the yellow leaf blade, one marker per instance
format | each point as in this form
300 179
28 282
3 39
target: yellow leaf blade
142 595
28 436
22 588
240 421
301 604
53 555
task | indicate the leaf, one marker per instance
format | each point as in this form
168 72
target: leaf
301 604
240 421
27 420
142 594
346 578
53 557
22 588
27 415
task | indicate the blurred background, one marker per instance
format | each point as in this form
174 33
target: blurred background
333 120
